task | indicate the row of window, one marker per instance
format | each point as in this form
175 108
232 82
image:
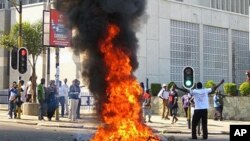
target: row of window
185 50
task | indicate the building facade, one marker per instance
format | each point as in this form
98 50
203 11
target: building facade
197 33
212 36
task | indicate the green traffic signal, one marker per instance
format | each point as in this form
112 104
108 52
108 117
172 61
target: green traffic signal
188 83
188 77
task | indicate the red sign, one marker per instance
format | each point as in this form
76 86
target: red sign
60 36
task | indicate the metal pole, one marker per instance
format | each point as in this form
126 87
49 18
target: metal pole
189 116
19 45
20 24
57 78
48 66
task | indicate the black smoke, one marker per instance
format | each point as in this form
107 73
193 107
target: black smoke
90 19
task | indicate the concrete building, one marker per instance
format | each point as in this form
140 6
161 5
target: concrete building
212 36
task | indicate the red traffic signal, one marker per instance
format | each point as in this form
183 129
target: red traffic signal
22 60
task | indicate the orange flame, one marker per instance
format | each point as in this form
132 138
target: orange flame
121 114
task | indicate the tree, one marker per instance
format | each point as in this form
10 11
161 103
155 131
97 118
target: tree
32 40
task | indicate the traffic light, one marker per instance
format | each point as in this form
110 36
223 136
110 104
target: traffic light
14 58
188 76
22 60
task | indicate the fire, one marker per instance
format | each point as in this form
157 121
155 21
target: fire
121 115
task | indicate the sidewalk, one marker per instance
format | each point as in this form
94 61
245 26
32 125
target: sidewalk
88 121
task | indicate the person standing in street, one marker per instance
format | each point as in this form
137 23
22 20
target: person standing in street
23 99
174 105
164 95
51 101
41 99
200 95
79 102
218 105
29 90
66 91
74 92
185 103
146 106
61 97
12 100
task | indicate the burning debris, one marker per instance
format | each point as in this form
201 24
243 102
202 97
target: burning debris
105 33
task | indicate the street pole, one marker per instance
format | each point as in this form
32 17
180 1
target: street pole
189 116
20 23
19 46
57 79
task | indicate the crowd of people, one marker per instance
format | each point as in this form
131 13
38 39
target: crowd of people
48 98
195 98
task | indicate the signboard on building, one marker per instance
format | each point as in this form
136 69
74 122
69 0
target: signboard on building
60 36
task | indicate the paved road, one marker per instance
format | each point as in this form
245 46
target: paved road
22 132
29 128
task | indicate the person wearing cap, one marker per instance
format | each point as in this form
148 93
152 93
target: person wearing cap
164 94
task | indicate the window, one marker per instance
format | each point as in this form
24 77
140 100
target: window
240 55
215 54
184 49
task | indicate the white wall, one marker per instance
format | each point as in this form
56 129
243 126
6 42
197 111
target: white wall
154 37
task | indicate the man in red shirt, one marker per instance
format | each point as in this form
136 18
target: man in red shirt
146 106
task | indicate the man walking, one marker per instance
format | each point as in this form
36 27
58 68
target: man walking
200 95
61 97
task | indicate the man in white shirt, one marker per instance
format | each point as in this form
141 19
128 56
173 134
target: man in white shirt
29 90
66 92
201 105
164 94
61 98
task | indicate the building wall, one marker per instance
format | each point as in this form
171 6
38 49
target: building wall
156 41
156 48
4 59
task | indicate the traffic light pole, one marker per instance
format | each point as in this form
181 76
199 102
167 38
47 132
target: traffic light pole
19 45
19 10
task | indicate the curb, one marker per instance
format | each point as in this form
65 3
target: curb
189 132
60 125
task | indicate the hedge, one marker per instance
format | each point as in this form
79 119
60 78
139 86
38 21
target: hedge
230 89
155 88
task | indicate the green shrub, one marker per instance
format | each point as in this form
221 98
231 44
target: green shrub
155 88
209 84
244 89
230 89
